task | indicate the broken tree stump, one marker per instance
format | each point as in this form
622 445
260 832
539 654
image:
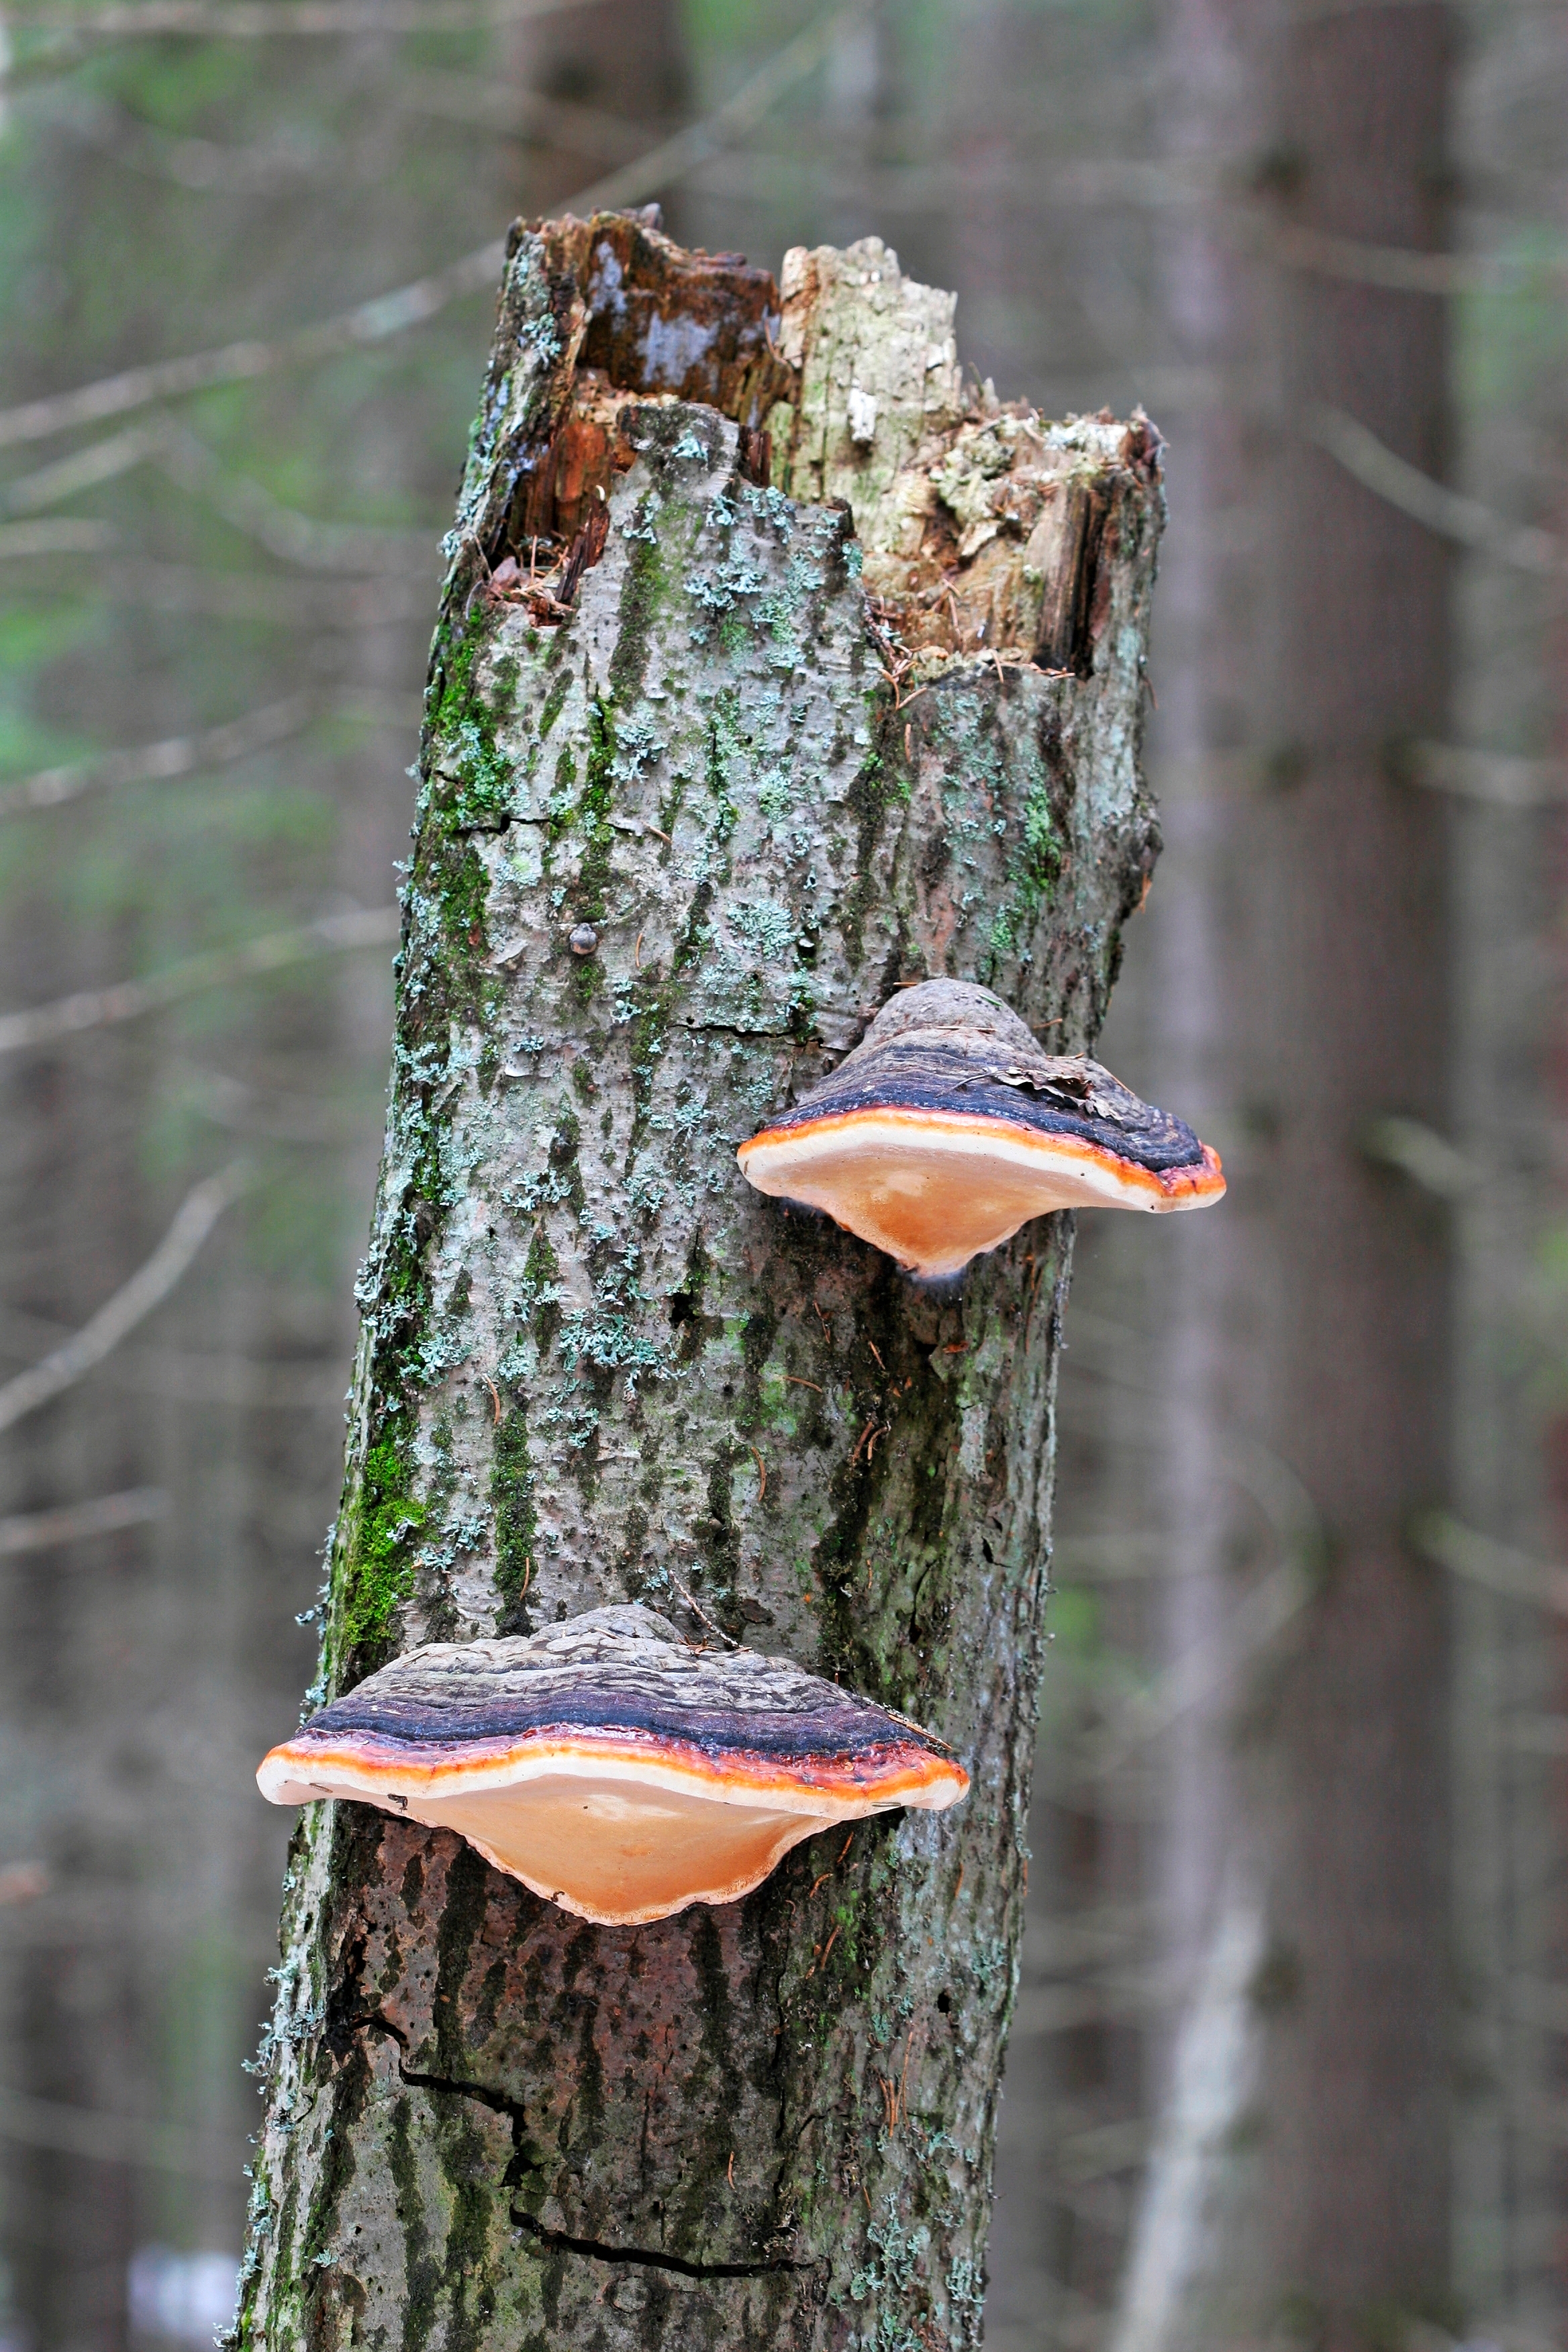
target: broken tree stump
774 669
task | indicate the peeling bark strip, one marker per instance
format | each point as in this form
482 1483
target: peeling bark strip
675 845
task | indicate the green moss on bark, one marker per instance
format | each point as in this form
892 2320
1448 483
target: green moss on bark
516 1533
389 1518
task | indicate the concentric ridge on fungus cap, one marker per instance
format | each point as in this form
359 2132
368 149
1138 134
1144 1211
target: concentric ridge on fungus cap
620 1668
950 1046
612 1766
948 1128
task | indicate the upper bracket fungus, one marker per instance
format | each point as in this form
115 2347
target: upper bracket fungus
947 1129
610 1766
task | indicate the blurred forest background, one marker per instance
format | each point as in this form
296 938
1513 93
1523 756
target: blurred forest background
1287 2064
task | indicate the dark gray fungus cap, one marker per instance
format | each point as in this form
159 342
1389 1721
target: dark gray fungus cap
609 1765
948 1128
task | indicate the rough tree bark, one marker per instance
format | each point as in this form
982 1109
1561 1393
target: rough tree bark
595 1366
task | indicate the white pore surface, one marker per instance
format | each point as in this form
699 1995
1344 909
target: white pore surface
935 1197
610 1847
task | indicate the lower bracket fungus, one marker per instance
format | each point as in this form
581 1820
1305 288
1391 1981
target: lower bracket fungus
610 1766
948 1128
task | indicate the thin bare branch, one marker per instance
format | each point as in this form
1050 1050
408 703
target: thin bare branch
1419 1153
263 20
268 1112
365 323
263 167
169 444
197 1214
134 1506
177 755
1310 11
1253 1626
1135 180
67 535
100 1008
522 113
357 602
102 2136
676 158
1500 779
257 168
1404 269
1447 512
1517 1575
1030 185
1155 1555
189 1376
101 461
408 306
296 538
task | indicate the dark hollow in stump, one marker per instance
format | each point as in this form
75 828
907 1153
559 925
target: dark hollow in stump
774 669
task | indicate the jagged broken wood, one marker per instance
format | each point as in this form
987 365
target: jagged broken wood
851 697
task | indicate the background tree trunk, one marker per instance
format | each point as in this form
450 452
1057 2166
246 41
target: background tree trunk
595 86
1344 962
128 1988
595 1366
1304 924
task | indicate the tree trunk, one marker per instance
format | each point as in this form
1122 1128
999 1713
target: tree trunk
1309 918
595 86
1347 965
595 1366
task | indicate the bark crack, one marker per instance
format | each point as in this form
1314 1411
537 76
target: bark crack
731 1029
596 2249
501 2103
598 2252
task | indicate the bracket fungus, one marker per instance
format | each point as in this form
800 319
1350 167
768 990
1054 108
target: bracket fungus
610 1766
948 1128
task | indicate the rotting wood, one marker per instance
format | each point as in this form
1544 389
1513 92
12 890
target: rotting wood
489 2124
